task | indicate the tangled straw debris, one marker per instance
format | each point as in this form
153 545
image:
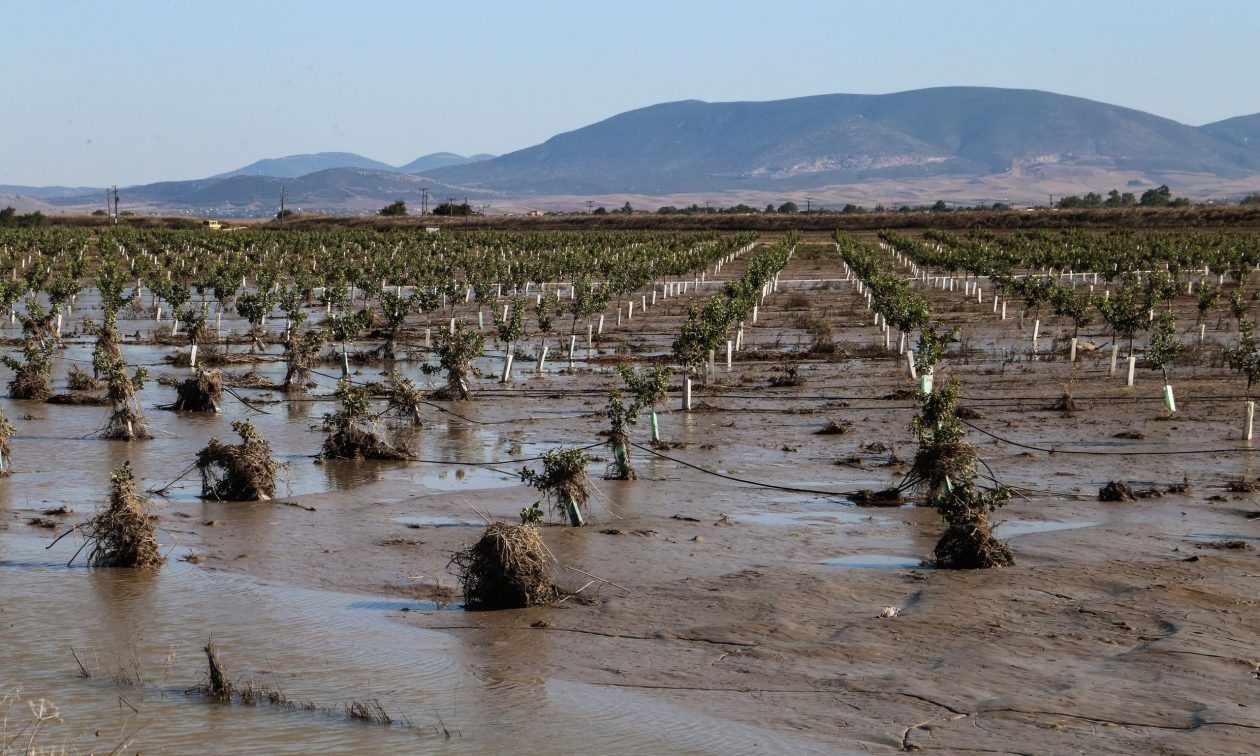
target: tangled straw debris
81 380
202 392
888 497
122 534
1117 491
238 472
78 399
969 544
507 568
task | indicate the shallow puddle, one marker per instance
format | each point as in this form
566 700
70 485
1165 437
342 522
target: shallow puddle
437 521
1012 528
803 518
875 562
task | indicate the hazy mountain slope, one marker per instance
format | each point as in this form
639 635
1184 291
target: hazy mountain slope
696 146
1242 130
328 189
300 165
440 160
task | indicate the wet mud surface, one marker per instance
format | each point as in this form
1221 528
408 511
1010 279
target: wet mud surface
712 615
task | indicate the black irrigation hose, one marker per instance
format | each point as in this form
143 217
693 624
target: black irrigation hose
244 401
444 409
1165 452
775 486
458 463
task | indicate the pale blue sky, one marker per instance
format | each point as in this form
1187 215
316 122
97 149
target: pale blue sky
99 93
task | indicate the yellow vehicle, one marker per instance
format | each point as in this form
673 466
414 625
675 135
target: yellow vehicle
213 225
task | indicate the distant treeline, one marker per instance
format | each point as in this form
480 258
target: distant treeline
1131 216
9 218
1104 217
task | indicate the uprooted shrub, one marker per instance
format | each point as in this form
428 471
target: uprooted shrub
944 471
563 481
302 351
202 392
81 380
507 568
353 431
122 534
867 497
126 421
108 344
238 472
31 373
1116 491
404 398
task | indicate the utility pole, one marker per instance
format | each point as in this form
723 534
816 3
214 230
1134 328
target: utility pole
424 200
280 215
108 212
115 204
808 204
589 203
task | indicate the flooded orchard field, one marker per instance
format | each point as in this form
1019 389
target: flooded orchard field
732 597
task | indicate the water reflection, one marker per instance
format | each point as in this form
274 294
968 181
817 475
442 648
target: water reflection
347 473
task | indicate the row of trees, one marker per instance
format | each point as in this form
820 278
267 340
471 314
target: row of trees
398 208
1160 196
709 322
10 218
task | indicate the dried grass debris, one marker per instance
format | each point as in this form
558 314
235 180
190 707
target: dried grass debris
122 535
969 544
202 392
507 568
81 380
238 472
1117 491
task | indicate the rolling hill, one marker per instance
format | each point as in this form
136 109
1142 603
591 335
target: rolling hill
828 139
1242 130
440 160
300 165
964 141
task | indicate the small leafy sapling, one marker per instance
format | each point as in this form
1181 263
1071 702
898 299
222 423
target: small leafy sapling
1124 312
1245 358
456 352
1163 349
1205 299
394 308
931 349
510 328
562 482
1164 346
644 392
1239 305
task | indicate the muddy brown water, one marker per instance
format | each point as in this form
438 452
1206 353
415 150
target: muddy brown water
139 636
752 618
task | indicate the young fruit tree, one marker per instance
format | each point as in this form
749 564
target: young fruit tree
563 481
456 350
645 391
944 473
